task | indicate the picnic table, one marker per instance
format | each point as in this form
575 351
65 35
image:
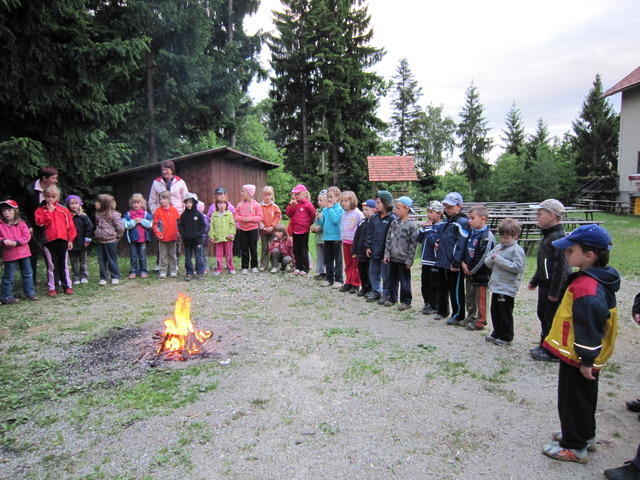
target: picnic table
614 206
531 233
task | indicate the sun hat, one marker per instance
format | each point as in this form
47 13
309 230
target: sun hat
436 206
299 188
10 203
554 206
591 235
408 202
453 198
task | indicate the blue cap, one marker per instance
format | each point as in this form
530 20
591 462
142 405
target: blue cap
370 203
406 201
453 198
591 235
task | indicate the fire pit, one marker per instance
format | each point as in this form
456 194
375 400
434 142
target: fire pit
181 340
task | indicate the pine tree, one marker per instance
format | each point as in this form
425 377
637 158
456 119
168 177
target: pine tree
473 135
406 111
59 69
595 135
324 98
514 138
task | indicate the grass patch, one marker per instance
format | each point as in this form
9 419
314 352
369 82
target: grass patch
345 332
360 369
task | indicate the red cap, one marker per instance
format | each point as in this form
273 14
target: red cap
11 203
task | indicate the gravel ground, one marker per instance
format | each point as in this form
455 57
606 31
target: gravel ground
320 384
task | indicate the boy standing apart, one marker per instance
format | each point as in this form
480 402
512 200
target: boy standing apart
399 252
450 251
507 263
582 336
430 277
551 272
479 244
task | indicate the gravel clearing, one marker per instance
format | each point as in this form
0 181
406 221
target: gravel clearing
320 384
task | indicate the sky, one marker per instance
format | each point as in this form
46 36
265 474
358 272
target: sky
542 55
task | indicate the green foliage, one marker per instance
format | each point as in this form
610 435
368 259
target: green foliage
514 134
406 114
324 99
436 140
473 135
595 134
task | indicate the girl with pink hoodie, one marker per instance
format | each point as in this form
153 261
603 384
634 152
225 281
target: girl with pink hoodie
14 242
248 216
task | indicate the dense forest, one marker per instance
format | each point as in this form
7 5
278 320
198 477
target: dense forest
95 86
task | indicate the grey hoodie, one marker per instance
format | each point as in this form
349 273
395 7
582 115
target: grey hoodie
507 268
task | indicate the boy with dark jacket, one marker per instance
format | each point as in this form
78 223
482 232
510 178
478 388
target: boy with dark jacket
450 252
430 283
399 253
551 272
374 245
192 228
582 336
479 244
358 249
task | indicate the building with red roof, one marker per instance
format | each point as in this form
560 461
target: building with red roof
629 143
392 169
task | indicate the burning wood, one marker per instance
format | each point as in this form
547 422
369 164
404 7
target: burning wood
181 340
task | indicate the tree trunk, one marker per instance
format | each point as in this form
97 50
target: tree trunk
334 162
232 130
151 109
305 132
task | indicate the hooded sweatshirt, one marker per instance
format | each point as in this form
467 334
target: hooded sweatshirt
192 226
301 214
584 328
18 232
507 268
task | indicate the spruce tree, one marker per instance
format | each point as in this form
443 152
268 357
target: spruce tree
514 137
595 135
473 137
406 111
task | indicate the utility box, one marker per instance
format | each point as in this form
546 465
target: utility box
636 205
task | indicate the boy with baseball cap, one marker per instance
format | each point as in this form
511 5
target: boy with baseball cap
582 336
551 272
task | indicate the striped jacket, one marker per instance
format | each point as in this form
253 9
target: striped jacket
585 326
452 242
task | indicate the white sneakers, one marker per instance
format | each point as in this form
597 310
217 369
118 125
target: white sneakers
115 281
102 283
245 271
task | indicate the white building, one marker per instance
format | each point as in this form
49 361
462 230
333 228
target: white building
629 144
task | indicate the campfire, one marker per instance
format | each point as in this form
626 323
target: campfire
181 340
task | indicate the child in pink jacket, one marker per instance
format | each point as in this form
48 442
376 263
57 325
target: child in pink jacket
14 242
248 216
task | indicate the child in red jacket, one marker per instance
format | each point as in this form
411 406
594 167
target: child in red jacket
59 234
302 214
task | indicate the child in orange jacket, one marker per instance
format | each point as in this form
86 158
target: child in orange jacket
165 228
271 216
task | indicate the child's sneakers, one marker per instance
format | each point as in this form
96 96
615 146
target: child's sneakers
628 471
254 270
216 273
554 450
232 272
404 306
472 325
245 271
10 301
68 291
429 310
86 280
591 443
132 275
274 270
336 285
103 282
52 293
115 281
76 282
326 283
144 275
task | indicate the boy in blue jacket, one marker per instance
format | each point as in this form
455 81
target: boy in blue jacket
479 244
374 245
431 285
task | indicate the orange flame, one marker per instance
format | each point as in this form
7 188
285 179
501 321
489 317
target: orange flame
180 335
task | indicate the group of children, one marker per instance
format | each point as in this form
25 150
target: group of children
368 252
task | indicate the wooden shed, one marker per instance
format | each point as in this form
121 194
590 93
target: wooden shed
397 170
202 172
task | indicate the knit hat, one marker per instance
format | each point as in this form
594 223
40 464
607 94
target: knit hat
554 206
73 197
385 195
436 206
9 203
299 188
591 235
370 203
250 189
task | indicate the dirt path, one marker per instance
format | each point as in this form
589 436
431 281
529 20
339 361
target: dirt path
320 385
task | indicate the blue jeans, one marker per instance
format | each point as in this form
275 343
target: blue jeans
400 274
8 275
193 251
108 260
379 276
138 255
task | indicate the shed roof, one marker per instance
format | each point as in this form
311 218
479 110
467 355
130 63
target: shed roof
225 152
392 169
630 81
